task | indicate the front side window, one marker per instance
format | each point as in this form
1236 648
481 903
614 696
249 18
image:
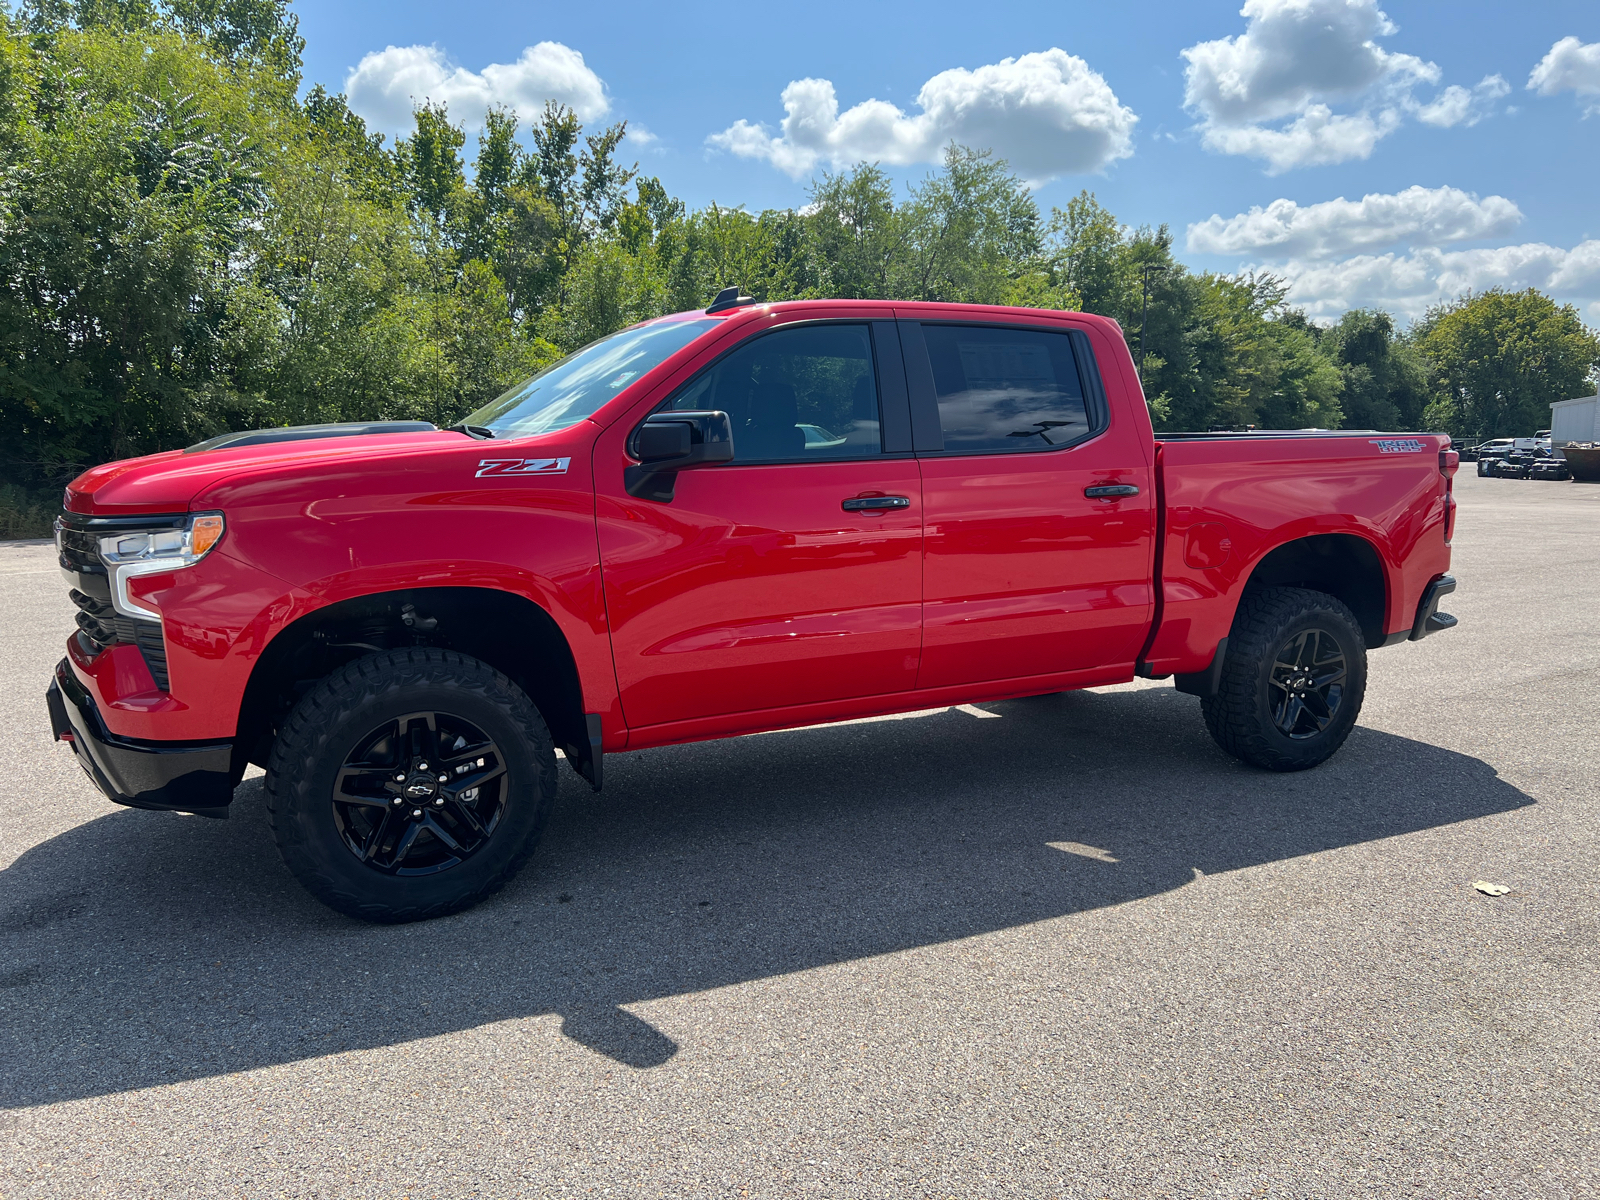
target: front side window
795 395
1005 390
574 388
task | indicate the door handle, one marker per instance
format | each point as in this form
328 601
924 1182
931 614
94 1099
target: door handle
1110 491
875 503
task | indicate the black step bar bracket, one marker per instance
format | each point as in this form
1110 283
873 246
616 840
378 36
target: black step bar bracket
1429 618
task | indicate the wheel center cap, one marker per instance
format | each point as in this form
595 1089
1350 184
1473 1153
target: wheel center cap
420 787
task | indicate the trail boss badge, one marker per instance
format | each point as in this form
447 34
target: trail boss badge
523 466
1384 445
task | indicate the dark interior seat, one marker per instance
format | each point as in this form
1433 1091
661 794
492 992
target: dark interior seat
771 428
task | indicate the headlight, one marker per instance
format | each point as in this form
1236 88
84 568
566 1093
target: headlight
134 552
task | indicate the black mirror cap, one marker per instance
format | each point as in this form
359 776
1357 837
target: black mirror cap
669 442
660 441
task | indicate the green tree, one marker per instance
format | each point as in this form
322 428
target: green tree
262 36
973 230
1088 251
1499 359
372 168
857 235
1385 378
131 178
431 169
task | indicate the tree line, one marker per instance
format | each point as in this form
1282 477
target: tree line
190 243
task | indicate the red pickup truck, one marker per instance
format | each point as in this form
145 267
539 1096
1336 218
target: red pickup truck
749 518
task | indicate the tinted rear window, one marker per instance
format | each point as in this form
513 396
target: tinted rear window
1005 390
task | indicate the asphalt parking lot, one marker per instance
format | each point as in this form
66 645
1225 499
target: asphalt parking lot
1053 947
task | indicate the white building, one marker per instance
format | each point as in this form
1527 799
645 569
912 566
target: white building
1575 420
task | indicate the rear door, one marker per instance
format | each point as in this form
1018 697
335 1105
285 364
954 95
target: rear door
791 575
1038 505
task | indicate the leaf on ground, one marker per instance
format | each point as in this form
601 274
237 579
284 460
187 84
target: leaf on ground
1490 889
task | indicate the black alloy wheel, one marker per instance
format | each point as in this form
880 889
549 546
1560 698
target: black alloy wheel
1307 684
410 784
422 793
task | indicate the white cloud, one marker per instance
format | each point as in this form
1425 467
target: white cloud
1047 114
1318 138
388 84
1292 53
1418 216
1458 106
1571 66
1407 284
1295 59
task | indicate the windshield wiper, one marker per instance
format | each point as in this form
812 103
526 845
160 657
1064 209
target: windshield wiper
473 431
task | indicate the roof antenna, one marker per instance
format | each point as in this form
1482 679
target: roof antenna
729 297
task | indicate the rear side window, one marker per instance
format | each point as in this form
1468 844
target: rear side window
795 395
1004 390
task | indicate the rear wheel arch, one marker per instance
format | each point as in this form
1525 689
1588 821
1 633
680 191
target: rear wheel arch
509 632
1343 565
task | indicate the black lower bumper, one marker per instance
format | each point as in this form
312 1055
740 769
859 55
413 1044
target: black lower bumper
1429 618
194 777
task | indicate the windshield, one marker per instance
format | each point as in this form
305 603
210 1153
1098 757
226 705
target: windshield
567 391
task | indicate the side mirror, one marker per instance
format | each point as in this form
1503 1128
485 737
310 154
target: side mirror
669 442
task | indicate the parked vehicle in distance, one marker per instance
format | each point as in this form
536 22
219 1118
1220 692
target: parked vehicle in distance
755 517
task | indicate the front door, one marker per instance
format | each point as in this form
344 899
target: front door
1026 574
791 575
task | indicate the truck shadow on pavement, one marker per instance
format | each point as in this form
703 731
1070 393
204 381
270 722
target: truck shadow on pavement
145 949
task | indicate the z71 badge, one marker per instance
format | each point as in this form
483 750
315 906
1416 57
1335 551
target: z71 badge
1384 445
523 466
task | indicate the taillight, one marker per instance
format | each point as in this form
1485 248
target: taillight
1449 460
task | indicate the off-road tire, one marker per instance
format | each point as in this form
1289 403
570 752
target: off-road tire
1240 716
331 719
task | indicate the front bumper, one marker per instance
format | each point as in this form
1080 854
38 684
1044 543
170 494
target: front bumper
194 777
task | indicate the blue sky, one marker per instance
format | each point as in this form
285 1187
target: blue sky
1464 137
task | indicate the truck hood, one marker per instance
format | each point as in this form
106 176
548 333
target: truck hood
169 482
